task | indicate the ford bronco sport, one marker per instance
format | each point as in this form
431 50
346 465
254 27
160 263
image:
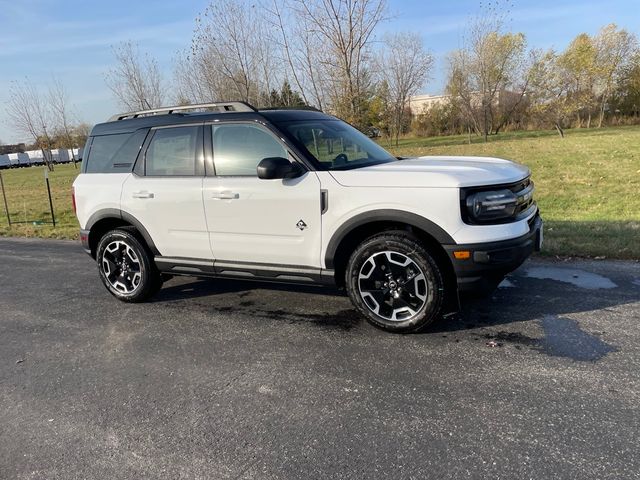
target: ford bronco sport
297 196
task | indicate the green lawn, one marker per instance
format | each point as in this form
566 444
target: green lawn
28 202
588 187
587 184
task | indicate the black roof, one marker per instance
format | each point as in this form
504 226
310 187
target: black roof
273 116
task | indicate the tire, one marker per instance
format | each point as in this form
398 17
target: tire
408 300
141 279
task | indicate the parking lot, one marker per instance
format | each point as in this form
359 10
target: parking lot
247 380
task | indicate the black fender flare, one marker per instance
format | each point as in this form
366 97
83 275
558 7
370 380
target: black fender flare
127 217
386 215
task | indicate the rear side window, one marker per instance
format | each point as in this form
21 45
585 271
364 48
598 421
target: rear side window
172 152
114 153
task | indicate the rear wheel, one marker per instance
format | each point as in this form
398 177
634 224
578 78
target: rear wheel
126 268
395 283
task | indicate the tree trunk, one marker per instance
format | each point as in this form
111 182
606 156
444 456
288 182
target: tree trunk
559 129
601 113
589 120
47 160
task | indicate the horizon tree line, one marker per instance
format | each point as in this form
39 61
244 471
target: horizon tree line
329 54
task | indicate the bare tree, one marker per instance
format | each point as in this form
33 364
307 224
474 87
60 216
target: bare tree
342 32
59 102
29 114
230 57
404 65
278 21
135 79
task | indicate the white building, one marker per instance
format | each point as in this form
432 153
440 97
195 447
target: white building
418 103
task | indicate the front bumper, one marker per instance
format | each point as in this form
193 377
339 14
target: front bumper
488 263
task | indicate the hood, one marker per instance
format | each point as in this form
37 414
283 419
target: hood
434 172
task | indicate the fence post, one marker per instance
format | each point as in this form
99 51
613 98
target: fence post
46 178
4 197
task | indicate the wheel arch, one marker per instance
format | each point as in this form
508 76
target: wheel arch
107 219
350 234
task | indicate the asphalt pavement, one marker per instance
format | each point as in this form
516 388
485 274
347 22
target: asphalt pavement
238 380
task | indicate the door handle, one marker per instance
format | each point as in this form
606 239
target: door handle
142 195
226 195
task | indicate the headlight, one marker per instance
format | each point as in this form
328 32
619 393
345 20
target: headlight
492 205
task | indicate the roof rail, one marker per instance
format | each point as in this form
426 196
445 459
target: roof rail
299 107
219 106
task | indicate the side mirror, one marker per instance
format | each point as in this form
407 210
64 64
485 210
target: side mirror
278 167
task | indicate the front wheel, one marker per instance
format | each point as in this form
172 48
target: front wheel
395 283
126 268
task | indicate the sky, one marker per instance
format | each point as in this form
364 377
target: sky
72 40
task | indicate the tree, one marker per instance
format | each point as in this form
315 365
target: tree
230 57
548 96
490 65
404 65
614 48
341 34
135 79
286 97
578 63
58 100
30 116
626 96
300 51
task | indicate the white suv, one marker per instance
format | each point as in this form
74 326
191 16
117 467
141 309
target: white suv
297 196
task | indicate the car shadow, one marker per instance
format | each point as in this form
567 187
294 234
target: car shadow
526 299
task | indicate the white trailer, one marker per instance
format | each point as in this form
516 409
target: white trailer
4 161
15 160
35 157
55 155
19 159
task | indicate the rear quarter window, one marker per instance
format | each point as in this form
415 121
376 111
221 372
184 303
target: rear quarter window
114 153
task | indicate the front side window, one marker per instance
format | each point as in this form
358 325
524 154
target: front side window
336 145
172 152
239 148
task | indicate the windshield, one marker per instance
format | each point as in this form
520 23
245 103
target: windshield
336 145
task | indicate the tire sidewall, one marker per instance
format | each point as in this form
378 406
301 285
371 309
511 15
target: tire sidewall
409 246
146 269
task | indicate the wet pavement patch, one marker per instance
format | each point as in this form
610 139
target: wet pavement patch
563 337
579 278
506 283
513 337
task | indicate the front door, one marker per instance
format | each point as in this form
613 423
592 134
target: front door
254 221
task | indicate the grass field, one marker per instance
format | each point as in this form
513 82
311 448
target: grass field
588 187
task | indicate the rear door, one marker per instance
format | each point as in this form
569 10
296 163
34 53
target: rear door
254 221
165 192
